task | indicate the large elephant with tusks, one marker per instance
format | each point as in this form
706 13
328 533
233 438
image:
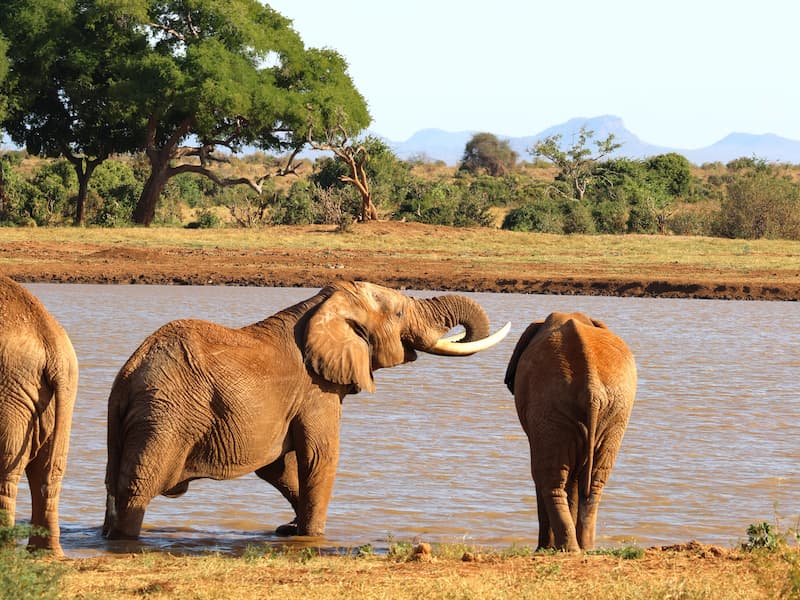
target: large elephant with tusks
574 384
202 400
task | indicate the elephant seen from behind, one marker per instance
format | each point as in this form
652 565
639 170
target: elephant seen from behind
199 400
38 385
574 384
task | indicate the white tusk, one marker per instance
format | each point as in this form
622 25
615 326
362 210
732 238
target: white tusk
453 338
449 347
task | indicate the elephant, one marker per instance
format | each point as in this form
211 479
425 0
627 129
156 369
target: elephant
38 387
200 400
574 384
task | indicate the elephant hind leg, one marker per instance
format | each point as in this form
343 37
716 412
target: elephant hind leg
283 475
9 483
45 488
552 488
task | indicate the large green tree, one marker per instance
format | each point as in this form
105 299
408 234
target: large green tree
64 95
180 80
217 76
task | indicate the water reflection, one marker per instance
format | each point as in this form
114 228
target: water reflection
437 452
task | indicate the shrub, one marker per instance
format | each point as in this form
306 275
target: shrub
759 203
578 218
611 216
543 217
762 536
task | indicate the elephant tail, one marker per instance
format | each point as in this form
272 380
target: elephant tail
61 375
592 417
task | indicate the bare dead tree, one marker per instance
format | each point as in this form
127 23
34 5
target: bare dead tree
355 156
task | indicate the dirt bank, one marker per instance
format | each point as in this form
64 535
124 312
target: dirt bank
277 264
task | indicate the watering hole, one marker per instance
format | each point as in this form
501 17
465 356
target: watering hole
437 453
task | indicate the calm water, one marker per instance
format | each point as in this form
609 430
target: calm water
438 453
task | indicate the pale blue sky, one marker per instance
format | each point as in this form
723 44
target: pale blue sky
681 74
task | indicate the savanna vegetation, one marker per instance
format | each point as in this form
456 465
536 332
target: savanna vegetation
195 114
765 565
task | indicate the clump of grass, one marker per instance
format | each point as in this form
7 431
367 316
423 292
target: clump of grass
762 536
23 574
627 552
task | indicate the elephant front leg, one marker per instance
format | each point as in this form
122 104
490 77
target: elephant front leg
317 459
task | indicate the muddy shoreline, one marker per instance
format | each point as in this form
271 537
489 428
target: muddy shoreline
72 262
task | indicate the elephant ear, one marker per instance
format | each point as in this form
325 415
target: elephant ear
337 343
522 343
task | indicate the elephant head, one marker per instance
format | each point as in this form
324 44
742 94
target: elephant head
362 327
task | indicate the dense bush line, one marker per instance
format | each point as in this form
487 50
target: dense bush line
747 198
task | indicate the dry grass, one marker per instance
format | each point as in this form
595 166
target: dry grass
689 572
705 259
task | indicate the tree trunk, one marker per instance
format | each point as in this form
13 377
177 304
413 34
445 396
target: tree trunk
145 210
83 191
84 168
3 199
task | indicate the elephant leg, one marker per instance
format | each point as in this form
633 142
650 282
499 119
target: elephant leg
9 483
317 453
553 478
44 481
587 512
546 540
13 453
283 475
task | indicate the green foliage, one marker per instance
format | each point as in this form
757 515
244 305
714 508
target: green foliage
45 199
443 203
762 536
113 194
486 153
626 552
673 171
760 203
24 575
577 163
611 216
544 216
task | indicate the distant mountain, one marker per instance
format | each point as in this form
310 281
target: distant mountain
436 144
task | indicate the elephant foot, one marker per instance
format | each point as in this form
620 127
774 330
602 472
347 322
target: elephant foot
287 529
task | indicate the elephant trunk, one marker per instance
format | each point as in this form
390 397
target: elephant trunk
436 316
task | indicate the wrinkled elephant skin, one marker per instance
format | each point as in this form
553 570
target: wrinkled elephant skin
574 384
38 385
198 400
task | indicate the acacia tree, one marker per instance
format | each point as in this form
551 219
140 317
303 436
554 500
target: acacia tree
64 96
354 155
576 164
224 75
485 151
